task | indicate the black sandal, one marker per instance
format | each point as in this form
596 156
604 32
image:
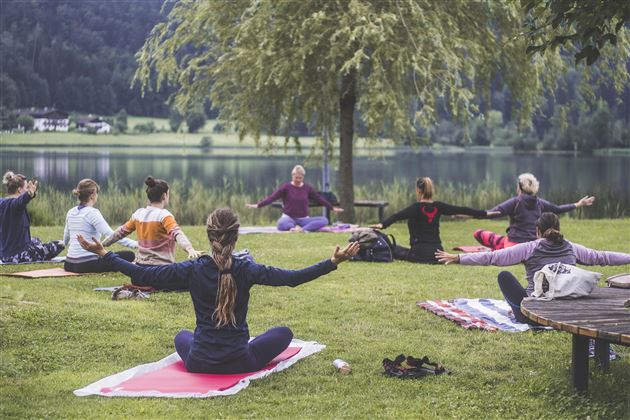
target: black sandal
410 367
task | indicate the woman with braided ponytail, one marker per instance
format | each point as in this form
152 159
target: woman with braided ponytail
549 248
219 286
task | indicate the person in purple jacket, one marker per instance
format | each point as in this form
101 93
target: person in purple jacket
16 243
549 248
220 287
295 197
523 211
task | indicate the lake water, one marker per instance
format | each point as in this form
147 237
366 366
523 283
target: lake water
560 175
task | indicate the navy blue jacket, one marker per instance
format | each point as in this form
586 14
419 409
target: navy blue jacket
15 232
212 345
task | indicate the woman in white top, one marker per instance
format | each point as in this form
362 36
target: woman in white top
87 221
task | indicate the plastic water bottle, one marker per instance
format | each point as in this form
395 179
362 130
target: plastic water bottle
342 367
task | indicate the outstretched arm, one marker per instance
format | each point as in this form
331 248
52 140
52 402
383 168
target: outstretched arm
276 195
401 215
504 209
273 276
120 233
171 226
589 256
508 256
102 227
449 209
141 275
315 196
563 208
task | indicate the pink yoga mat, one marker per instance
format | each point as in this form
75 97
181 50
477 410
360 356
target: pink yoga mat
175 378
168 377
472 248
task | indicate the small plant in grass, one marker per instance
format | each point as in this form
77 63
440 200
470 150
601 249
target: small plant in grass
206 143
218 128
146 128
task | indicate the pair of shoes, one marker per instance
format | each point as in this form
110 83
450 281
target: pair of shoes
410 367
124 293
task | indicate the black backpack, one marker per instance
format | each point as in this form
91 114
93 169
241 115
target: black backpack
375 246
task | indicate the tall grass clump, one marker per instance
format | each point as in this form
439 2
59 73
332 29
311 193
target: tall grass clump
190 202
484 195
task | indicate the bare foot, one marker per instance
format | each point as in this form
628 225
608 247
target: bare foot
297 229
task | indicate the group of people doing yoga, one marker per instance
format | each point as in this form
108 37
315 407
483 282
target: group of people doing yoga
220 283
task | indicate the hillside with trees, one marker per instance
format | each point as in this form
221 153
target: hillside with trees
76 55
80 56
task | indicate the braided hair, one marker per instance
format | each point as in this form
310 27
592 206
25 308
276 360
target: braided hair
222 228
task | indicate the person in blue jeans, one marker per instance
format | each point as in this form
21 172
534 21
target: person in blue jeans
219 286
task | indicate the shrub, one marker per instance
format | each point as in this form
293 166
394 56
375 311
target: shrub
195 120
175 119
218 128
121 121
206 142
146 128
26 122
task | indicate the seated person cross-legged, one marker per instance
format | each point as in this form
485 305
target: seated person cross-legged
523 210
220 288
295 197
549 247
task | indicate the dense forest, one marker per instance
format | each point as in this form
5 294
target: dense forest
79 56
76 55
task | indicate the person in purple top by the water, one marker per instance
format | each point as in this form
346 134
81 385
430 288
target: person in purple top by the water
550 247
523 211
295 197
16 243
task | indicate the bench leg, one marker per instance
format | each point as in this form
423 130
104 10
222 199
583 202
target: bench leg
579 363
380 214
602 353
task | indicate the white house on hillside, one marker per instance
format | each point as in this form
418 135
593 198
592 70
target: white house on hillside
48 119
99 125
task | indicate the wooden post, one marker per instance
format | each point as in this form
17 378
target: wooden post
579 363
602 353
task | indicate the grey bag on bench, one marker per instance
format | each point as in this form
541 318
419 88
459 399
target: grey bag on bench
565 281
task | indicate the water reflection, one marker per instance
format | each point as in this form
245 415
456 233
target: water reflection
582 175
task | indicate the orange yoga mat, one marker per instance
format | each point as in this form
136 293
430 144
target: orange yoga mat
38 274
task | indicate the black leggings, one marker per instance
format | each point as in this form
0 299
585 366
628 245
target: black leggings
419 253
513 293
96 266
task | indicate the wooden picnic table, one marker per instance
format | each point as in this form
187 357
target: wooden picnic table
601 316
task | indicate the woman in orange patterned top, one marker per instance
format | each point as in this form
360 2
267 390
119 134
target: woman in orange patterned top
156 228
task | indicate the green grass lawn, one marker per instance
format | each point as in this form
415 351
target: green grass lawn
58 335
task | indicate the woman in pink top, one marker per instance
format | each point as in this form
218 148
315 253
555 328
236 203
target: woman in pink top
295 197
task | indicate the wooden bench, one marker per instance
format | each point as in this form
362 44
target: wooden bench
600 316
380 205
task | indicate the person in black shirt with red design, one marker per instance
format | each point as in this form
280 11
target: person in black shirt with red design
423 219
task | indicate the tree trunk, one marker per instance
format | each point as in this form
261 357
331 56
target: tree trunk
347 103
